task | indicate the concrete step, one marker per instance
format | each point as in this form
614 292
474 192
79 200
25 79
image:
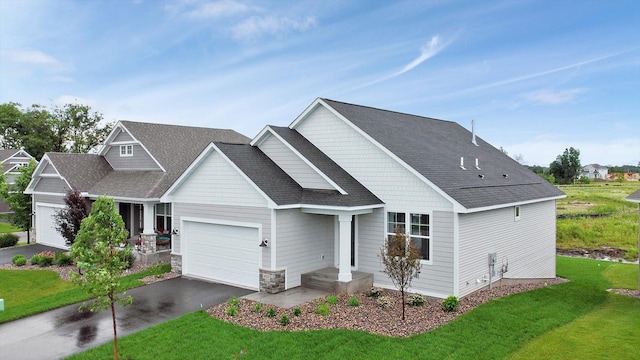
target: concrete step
318 282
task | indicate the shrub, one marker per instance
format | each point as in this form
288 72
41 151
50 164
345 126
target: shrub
631 255
44 258
8 239
375 292
415 300
385 302
19 260
284 320
322 309
35 259
234 301
257 307
271 312
451 303
62 259
129 257
332 299
297 311
353 301
231 310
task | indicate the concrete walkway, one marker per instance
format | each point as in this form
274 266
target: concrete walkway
65 331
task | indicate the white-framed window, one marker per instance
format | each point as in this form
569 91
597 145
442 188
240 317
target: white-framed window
419 230
126 150
516 213
163 218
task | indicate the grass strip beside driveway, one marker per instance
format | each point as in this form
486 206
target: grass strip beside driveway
29 292
495 330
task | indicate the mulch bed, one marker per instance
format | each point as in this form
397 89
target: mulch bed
368 316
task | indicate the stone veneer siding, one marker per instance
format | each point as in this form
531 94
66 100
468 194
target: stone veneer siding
176 264
272 281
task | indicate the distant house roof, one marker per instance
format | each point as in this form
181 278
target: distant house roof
174 147
434 147
7 154
634 197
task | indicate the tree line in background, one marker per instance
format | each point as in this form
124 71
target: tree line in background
71 128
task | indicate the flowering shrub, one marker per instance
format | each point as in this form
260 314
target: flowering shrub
375 292
415 300
46 258
385 302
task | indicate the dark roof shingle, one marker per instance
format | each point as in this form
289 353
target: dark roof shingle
434 147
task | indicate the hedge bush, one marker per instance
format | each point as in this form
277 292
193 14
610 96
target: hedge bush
19 260
451 303
8 239
63 259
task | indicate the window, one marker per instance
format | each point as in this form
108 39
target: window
516 212
163 218
418 231
126 150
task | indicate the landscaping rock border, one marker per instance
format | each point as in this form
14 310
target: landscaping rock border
368 316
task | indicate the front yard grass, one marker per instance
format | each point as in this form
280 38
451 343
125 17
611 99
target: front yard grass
496 330
7 228
29 292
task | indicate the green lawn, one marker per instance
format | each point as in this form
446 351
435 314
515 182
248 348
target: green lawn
619 230
7 228
28 292
497 330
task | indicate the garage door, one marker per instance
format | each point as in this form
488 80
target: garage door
222 253
46 233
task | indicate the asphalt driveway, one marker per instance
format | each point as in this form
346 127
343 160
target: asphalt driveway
65 331
6 254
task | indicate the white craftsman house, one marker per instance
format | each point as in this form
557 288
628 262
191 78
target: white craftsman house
318 199
137 164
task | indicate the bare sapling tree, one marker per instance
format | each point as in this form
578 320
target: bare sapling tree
99 256
401 261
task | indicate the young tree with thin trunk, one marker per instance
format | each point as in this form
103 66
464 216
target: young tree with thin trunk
99 257
69 219
19 203
401 260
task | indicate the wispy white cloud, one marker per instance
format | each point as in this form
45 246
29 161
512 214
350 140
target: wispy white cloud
62 79
218 9
256 26
37 57
552 97
427 51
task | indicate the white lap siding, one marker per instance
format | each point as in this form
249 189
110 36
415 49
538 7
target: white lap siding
528 244
436 279
241 214
379 172
301 241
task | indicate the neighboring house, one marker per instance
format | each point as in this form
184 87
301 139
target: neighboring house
137 164
328 189
595 172
12 160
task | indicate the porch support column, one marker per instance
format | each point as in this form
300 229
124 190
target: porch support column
148 237
344 272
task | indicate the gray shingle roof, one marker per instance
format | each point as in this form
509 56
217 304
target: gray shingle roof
175 147
434 147
635 196
82 171
283 190
6 154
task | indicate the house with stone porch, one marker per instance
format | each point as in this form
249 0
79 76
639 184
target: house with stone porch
137 164
312 203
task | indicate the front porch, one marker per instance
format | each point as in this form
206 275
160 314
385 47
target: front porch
327 280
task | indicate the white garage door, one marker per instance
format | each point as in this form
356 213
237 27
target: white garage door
46 233
223 253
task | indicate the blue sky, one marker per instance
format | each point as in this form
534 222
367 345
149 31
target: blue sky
537 76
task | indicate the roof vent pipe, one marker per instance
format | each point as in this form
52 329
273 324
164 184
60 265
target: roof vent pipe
473 133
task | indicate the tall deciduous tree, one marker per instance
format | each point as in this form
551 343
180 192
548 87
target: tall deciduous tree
566 166
401 261
69 219
79 128
19 203
69 128
101 261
